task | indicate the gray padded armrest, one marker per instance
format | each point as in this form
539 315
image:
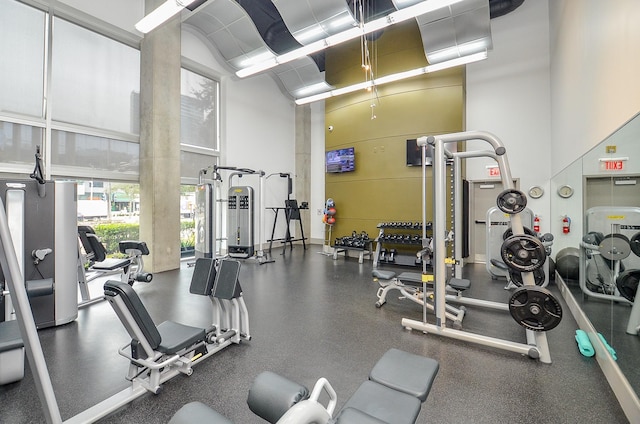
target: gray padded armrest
406 372
384 404
353 416
271 395
197 412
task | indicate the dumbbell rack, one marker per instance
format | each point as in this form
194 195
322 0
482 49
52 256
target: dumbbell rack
362 247
399 234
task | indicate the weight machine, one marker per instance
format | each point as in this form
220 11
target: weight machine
240 215
535 308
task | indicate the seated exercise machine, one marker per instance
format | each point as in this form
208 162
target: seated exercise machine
93 262
608 270
534 308
397 385
158 353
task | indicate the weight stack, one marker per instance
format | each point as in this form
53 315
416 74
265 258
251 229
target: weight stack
240 232
205 243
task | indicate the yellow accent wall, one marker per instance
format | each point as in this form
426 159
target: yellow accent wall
383 188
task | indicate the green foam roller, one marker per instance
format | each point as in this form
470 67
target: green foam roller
611 350
584 344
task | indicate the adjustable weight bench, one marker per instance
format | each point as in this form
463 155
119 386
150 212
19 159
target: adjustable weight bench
393 394
409 284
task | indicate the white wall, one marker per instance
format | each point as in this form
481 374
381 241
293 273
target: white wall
508 95
594 73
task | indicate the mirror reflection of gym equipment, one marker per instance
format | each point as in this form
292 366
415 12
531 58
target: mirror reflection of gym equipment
590 278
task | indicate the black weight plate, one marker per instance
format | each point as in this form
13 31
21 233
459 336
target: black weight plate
635 244
615 247
627 283
511 201
523 253
535 308
538 275
509 232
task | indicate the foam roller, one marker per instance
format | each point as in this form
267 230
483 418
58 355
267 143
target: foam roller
584 344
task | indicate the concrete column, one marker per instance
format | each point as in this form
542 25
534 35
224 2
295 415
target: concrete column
160 143
303 163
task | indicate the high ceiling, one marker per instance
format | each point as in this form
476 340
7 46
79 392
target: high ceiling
246 32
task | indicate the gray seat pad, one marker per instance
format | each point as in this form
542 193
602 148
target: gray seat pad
383 275
385 404
406 372
197 412
176 336
10 337
353 416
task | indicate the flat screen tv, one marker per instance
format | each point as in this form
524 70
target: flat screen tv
341 160
414 156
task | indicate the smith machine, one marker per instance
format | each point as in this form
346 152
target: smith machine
533 307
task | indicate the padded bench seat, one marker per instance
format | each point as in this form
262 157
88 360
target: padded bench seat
198 412
398 384
11 352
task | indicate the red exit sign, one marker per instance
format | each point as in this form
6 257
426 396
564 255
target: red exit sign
494 171
612 164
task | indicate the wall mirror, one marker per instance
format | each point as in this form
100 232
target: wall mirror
595 213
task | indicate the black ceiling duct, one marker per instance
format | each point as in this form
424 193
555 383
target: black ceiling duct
499 8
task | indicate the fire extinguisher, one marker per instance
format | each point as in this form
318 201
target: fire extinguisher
566 225
536 224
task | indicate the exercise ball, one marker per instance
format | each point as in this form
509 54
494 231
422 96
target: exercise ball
568 263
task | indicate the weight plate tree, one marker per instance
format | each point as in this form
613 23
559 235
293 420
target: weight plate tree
523 253
538 276
535 308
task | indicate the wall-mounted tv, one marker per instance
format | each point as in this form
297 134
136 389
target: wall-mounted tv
341 160
414 156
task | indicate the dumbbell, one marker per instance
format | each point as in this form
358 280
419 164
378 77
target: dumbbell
392 255
383 255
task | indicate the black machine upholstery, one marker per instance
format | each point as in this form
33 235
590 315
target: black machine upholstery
96 252
204 275
169 337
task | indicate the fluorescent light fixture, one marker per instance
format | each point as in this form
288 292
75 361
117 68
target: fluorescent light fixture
458 50
313 88
257 58
393 77
350 34
161 14
308 33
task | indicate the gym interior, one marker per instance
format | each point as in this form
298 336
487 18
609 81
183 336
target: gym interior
361 211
